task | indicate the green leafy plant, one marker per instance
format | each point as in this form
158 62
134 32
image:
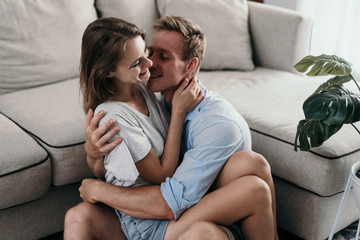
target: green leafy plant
331 105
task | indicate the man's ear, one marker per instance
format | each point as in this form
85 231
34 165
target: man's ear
191 67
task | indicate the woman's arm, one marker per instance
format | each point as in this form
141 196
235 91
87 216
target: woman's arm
185 99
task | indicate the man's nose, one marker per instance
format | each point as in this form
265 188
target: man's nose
153 60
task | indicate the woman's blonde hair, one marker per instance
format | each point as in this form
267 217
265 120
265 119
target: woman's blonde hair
194 39
103 44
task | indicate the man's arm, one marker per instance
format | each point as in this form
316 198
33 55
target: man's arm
144 202
209 149
97 141
97 167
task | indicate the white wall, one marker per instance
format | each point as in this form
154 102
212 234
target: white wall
335 26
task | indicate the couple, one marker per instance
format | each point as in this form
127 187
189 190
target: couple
219 181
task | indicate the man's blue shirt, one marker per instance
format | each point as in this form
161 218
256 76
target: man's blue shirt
212 132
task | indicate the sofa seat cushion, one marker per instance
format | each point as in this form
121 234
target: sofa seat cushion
271 101
53 115
25 171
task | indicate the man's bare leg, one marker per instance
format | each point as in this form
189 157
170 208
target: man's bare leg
248 163
204 231
247 198
92 221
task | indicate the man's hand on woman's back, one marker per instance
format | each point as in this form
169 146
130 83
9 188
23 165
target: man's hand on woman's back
97 143
97 138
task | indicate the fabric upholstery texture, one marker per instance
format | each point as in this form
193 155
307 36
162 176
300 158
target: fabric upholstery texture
40 218
60 129
40 41
279 36
141 13
225 24
24 163
309 215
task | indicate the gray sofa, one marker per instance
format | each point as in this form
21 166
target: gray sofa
41 119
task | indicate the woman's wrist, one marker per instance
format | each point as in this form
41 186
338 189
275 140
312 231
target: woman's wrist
178 112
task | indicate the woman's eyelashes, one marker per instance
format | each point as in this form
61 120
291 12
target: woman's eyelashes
137 63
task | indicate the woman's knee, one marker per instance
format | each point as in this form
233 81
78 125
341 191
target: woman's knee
92 221
80 213
76 222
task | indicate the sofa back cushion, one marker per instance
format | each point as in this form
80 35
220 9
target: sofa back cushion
141 13
225 24
40 41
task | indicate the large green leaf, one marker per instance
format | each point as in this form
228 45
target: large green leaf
335 105
323 65
331 105
314 130
353 110
325 113
335 81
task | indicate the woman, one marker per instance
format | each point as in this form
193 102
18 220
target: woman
114 71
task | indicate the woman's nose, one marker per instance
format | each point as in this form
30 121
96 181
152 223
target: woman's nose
149 63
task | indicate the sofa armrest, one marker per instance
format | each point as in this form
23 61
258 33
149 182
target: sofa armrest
280 37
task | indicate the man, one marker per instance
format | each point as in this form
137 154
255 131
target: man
214 134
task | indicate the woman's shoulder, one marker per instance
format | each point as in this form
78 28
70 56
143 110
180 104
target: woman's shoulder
111 107
118 111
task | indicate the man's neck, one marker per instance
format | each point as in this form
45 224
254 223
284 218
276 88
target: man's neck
168 96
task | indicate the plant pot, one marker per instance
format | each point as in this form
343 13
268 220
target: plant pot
356 182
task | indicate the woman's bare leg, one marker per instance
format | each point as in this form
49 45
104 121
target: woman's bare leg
248 163
92 221
247 198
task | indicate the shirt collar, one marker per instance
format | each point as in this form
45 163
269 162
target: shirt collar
191 115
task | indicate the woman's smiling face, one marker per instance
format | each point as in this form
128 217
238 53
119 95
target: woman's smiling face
134 65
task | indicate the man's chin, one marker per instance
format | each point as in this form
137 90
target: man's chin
151 87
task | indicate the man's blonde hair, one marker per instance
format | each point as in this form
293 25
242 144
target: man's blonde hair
194 39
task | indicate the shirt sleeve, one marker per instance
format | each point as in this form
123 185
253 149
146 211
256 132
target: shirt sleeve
137 143
120 166
136 140
120 162
209 149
